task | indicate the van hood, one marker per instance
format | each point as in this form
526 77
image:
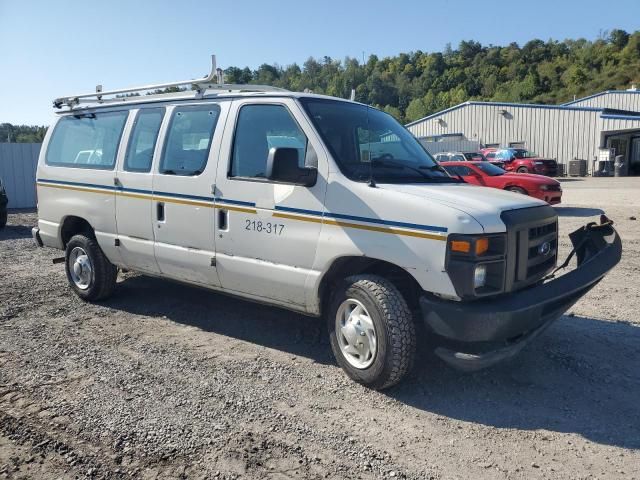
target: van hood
484 204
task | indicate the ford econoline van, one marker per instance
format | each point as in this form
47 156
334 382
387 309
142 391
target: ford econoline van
315 204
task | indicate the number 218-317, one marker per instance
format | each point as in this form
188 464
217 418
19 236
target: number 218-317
264 227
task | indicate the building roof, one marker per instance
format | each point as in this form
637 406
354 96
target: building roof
606 112
606 92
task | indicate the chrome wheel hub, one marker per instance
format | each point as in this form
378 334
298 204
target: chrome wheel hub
80 268
356 334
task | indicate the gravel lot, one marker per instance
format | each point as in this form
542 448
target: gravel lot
168 381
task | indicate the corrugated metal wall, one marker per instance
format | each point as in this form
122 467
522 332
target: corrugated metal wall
563 133
18 163
450 146
620 100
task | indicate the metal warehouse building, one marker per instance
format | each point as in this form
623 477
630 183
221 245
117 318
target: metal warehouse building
598 127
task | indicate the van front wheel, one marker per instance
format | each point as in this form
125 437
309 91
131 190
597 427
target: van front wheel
371 331
91 275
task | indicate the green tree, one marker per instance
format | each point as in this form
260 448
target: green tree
416 110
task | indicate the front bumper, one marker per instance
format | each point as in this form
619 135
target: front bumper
481 333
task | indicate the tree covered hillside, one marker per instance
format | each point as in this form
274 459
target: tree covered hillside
21 133
412 85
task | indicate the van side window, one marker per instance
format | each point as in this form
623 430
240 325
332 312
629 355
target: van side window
189 139
143 139
86 140
260 128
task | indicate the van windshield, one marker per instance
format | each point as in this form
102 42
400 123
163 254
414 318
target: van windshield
366 142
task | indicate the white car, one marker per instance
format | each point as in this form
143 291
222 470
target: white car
315 204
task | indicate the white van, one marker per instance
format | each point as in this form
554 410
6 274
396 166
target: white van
316 204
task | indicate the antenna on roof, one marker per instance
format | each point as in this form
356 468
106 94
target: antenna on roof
214 80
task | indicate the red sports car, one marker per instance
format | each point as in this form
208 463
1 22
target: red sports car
488 175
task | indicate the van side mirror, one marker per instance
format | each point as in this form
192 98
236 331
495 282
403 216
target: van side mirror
282 166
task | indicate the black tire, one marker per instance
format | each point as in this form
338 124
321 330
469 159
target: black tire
103 273
522 191
523 170
394 327
3 218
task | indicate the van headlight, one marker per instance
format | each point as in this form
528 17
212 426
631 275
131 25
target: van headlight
480 276
476 264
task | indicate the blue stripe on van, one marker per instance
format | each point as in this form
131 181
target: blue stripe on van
76 184
235 202
389 223
147 192
182 196
378 221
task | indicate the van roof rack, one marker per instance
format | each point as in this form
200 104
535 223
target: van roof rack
213 81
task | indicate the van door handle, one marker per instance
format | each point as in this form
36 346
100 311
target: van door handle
160 211
222 220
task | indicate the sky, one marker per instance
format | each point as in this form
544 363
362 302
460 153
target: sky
63 47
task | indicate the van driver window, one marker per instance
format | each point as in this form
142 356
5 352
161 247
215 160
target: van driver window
189 139
260 128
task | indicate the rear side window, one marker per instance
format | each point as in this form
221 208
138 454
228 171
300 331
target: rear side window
189 139
86 141
143 139
260 128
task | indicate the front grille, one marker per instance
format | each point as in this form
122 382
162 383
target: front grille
543 230
554 188
532 245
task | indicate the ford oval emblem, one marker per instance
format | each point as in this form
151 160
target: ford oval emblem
544 248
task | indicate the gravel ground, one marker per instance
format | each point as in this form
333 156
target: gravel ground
168 381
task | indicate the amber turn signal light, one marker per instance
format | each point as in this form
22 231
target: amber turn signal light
460 246
482 246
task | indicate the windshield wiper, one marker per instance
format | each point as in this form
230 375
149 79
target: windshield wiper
391 163
421 170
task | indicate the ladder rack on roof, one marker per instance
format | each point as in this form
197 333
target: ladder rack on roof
213 81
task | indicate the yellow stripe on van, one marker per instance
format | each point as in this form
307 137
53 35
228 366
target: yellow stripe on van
394 231
296 217
371 228
233 208
236 209
79 189
180 201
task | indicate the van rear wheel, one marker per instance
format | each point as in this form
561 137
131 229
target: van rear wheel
91 275
371 331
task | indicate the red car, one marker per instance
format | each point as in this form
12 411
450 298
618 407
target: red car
523 161
488 175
